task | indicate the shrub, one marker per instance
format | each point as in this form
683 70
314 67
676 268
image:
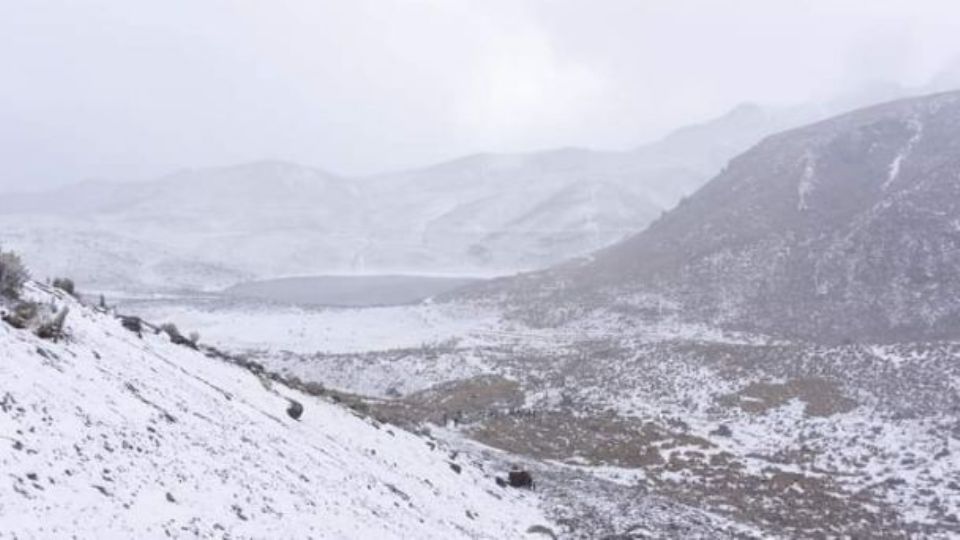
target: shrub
53 329
169 329
177 338
27 310
66 285
360 407
21 315
314 388
13 274
133 324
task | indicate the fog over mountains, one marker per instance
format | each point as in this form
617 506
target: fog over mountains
482 215
844 229
500 270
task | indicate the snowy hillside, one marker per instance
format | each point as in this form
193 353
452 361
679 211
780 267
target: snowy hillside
841 230
107 434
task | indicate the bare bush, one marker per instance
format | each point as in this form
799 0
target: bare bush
66 285
177 338
314 388
53 329
27 310
169 329
13 274
22 314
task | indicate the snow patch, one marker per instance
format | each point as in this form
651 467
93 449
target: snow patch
894 170
806 185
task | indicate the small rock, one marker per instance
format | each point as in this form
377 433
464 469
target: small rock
295 410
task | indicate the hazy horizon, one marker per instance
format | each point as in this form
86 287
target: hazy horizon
123 91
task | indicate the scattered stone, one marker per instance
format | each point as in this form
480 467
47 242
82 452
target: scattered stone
520 479
722 431
295 410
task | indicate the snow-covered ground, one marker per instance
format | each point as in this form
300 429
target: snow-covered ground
251 325
241 326
883 428
105 434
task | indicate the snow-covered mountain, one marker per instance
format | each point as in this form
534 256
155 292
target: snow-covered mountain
107 434
845 229
485 214
479 215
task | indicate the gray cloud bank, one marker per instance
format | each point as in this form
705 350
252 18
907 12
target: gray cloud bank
126 89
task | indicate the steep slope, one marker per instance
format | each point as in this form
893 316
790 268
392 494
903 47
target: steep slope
845 229
107 434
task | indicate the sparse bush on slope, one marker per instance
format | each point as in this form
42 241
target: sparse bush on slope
22 314
13 274
66 285
177 338
169 329
53 328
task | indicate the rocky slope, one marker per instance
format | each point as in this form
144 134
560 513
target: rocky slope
629 425
847 229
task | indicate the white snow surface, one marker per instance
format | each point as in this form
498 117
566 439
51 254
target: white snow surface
894 171
322 330
108 435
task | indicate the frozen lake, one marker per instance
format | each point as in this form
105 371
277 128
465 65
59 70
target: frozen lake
349 291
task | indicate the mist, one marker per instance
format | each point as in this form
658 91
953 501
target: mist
132 90
500 269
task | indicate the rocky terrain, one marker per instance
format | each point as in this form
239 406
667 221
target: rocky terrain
778 352
776 357
780 438
845 230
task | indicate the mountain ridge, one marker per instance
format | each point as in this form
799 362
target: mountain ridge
842 229
484 214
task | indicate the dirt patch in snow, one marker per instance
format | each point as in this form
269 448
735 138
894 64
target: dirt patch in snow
602 439
454 402
822 397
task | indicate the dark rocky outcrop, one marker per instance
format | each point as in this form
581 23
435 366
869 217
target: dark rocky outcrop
520 479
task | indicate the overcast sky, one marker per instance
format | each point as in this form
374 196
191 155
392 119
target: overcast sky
128 89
